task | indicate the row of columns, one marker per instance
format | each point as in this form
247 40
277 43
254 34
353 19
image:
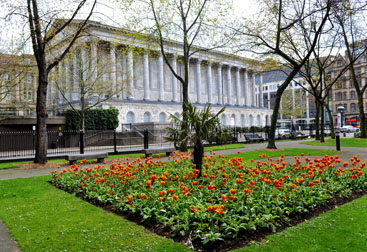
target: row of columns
248 92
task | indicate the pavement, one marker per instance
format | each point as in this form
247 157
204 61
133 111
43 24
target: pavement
7 244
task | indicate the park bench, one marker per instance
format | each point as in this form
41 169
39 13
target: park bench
149 152
253 137
72 158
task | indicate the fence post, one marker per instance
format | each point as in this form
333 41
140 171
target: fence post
114 141
81 141
146 139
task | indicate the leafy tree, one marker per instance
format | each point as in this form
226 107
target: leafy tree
201 124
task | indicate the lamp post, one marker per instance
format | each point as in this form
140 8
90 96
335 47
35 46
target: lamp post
340 116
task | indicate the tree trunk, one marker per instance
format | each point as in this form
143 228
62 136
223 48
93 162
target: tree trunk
317 120
278 97
362 115
198 155
185 98
322 113
332 132
41 130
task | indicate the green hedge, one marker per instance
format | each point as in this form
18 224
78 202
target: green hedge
95 119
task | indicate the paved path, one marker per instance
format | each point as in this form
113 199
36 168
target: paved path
8 245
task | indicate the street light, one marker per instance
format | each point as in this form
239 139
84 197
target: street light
340 110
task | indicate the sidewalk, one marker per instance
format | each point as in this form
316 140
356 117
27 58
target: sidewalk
9 245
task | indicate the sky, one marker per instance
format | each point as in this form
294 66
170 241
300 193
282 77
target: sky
106 12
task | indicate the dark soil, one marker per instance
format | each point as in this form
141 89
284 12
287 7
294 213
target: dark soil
228 244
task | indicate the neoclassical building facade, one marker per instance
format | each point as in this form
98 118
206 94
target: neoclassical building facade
143 87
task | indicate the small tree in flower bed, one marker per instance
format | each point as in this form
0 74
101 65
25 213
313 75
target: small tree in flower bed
231 199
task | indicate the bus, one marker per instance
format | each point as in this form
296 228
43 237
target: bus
355 123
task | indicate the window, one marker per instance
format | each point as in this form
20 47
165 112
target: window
233 120
352 94
130 117
251 120
162 117
345 95
223 120
242 121
352 107
258 119
147 117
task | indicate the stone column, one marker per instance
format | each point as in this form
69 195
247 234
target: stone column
113 68
238 87
198 80
94 59
130 73
220 85
209 78
246 89
253 93
61 78
74 90
146 76
308 108
160 77
261 95
269 104
229 83
174 79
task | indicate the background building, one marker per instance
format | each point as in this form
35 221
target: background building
297 104
146 90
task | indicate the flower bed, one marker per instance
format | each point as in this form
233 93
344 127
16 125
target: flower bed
231 199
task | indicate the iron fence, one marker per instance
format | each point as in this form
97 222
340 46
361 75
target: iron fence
22 144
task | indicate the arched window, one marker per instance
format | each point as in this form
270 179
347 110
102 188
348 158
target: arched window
130 117
258 121
162 117
223 120
147 117
233 120
242 121
266 120
251 120
352 107
352 94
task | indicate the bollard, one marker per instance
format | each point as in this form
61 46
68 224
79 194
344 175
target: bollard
337 138
114 141
146 143
81 141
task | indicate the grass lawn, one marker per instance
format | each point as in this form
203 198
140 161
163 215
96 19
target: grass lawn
43 218
287 152
344 142
342 229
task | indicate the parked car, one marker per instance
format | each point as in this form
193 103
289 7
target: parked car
349 129
282 133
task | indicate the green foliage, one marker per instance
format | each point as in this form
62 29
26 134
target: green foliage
95 119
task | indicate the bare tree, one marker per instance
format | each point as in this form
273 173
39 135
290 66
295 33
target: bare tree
278 34
44 33
350 16
193 23
91 85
